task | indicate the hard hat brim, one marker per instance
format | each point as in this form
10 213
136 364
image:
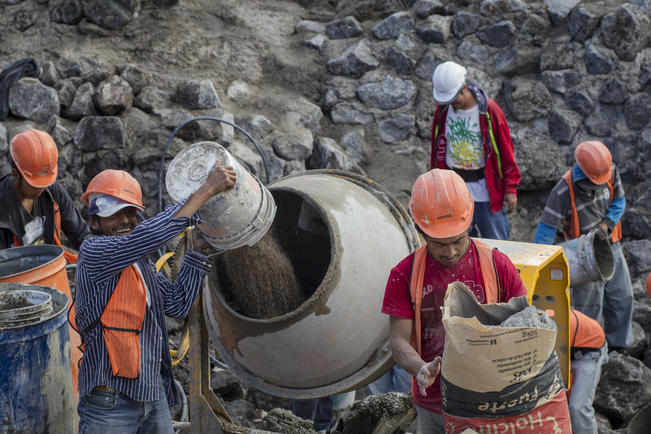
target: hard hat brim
445 98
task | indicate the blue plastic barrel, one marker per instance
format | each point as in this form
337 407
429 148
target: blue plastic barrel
35 379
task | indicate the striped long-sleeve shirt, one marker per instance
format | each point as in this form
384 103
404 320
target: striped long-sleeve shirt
101 260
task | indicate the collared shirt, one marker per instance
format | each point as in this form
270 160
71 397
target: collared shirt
101 261
592 204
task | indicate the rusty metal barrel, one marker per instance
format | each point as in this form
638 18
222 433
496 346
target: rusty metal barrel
42 265
36 393
345 233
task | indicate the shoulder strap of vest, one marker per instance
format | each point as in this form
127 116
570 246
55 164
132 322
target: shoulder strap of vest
71 258
616 234
416 279
492 286
574 229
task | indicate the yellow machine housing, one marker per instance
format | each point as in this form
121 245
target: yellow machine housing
545 272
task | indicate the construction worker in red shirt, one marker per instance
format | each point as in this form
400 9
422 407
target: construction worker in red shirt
442 208
588 353
35 208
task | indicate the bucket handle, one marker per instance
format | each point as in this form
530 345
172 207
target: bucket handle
202 118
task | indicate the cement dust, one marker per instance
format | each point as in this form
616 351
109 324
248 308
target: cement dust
261 278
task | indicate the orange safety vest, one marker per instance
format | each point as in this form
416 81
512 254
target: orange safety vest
585 331
71 258
121 323
494 291
574 230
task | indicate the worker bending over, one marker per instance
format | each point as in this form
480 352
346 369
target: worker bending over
590 197
442 208
125 378
36 208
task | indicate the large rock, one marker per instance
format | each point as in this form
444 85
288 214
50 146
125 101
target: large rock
637 223
135 76
472 49
346 113
329 155
435 29
353 142
396 128
626 31
539 158
561 81
425 8
599 60
111 14
501 7
638 111
347 27
251 159
152 100
257 125
297 144
393 26
516 60
624 388
600 122
613 92
527 99
67 11
400 61
583 22
391 93
563 124
354 61
638 255
99 132
308 114
535 29
579 100
465 24
642 315
558 10
197 94
498 34
113 96
82 104
31 99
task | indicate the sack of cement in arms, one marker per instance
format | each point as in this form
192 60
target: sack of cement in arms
500 373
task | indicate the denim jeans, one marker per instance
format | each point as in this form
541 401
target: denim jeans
586 371
613 300
115 413
395 380
429 422
318 410
491 225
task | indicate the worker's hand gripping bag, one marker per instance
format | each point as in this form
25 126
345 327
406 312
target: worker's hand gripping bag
500 373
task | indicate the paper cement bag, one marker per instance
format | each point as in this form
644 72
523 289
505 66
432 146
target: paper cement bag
497 378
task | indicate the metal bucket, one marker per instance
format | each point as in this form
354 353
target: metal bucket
36 393
641 422
590 257
234 218
42 265
345 233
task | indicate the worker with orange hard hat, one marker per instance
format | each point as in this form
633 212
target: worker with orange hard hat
442 208
590 197
36 209
125 376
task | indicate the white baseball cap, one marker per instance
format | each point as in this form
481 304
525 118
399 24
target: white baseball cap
104 205
448 80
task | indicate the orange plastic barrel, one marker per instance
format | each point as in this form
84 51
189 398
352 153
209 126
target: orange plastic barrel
42 265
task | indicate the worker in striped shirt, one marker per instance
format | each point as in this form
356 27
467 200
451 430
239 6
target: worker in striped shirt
125 377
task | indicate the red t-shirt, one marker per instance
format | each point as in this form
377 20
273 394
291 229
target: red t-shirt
397 302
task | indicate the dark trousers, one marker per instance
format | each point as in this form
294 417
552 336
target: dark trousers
318 410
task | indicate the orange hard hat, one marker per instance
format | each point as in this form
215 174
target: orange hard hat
116 183
441 204
648 285
36 156
595 161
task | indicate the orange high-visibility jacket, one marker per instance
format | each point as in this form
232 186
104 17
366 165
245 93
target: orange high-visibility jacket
121 322
574 230
585 332
494 293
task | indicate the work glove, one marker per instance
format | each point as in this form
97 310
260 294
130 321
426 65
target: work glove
601 231
427 374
